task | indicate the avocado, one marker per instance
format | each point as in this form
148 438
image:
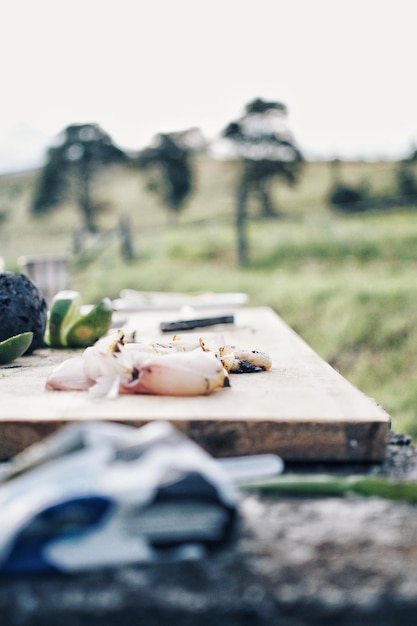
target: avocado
23 309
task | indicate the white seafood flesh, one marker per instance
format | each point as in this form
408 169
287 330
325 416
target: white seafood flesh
183 366
111 367
240 361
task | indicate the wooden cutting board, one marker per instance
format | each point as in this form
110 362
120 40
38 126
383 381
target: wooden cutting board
301 409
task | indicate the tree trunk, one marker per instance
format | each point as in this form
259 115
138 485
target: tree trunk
84 199
264 193
126 240
242 240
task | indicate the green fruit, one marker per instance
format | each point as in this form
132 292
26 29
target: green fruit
91 326
64 312
14 347
68 327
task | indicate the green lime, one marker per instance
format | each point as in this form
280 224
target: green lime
13 347
91 326
65 310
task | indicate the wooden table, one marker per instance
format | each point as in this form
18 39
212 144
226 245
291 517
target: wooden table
301 409
293 561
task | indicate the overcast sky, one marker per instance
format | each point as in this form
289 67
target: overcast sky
346 69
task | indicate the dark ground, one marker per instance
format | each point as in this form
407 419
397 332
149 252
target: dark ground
295 561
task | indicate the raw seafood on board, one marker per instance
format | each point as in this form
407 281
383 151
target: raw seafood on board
178 367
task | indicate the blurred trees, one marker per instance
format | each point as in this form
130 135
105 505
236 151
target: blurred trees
345 197
83 150
170 155
262 141
348 197
406 177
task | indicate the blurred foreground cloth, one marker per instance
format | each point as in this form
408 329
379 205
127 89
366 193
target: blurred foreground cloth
294 561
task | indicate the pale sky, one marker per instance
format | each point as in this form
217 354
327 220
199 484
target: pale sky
346 69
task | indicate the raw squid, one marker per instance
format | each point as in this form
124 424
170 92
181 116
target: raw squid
183 366
111 367
240 361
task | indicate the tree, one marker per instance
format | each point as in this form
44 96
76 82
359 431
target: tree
406 177
172 159
260 138
70 167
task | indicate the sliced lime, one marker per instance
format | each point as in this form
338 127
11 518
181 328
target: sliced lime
13 347
65 310
91 326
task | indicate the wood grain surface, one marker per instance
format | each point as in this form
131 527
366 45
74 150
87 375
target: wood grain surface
301 409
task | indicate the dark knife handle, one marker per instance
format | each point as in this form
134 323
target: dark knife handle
168 327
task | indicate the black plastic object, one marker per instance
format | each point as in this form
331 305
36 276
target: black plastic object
168 327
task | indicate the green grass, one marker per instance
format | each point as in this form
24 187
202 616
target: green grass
346 284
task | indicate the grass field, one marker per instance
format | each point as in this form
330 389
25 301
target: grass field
346 284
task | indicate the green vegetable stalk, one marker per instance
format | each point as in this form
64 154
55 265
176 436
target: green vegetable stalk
328 485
